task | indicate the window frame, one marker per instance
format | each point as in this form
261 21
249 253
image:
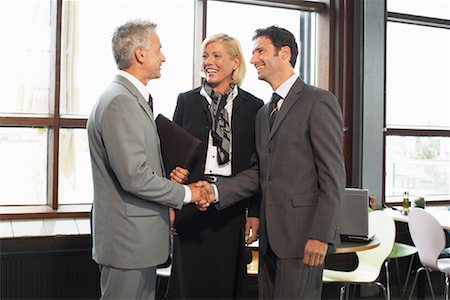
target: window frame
409 19
54 121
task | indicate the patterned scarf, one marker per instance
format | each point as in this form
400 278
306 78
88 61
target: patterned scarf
220 129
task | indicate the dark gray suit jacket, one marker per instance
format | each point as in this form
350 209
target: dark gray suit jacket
131 195
300 170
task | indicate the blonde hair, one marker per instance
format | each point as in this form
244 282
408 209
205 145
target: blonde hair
233 48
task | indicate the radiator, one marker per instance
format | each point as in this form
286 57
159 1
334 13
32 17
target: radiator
51 274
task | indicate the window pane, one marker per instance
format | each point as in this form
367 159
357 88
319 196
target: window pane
258 17
88 64
75 174
23 166
417 76
25 56
430 8
420 165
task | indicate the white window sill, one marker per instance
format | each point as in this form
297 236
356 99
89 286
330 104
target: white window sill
44 227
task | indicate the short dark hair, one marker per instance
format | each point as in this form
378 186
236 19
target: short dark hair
280 37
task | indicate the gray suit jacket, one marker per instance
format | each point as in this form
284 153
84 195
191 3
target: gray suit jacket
300 170
131 195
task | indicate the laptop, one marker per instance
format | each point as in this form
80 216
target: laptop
354 221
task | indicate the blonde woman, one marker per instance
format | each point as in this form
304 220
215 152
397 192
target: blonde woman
209 246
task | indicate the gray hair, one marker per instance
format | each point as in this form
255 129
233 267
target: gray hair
128 37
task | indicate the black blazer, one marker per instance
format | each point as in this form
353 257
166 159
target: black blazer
195 118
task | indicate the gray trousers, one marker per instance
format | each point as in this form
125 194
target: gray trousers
288 278
127 284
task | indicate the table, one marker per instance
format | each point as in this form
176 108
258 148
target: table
441 214
344 247
350 247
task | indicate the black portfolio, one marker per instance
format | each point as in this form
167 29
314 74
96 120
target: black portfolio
178 146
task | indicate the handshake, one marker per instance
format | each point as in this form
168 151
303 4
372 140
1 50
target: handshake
202 191
202 194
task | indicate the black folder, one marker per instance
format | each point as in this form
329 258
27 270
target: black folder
178 146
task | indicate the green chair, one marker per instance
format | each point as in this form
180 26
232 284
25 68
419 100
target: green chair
401 250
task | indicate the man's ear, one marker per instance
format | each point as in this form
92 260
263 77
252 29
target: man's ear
285 52
139 55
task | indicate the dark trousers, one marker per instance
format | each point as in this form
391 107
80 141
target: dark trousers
288 278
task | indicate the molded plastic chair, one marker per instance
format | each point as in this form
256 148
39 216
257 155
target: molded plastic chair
163 271
401 250
429 238
370 261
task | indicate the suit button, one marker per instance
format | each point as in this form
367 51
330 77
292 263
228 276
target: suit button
268 178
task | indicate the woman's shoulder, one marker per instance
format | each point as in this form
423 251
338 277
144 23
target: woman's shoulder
250 97
189 95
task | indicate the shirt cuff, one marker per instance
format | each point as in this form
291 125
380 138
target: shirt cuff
187 195
216 193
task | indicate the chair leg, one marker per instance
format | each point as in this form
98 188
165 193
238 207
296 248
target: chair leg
388 285
415 280
383 288
408 274
447 286
342 292
429 283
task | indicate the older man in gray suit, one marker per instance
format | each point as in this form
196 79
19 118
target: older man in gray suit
132 197
300 170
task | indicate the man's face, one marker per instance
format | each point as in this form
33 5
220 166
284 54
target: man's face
154 57
265 58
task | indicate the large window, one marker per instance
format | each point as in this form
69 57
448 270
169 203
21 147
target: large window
58 60
417 139
296 21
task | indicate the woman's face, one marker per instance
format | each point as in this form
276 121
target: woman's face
218 65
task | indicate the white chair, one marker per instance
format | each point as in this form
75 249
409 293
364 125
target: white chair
163 273
370 262
429 238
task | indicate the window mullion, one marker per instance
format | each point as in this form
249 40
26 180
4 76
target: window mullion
54 94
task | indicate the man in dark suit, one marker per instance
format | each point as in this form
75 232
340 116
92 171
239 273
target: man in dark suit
300 170
131 234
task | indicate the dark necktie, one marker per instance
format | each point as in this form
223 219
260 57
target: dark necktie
150 101
273 108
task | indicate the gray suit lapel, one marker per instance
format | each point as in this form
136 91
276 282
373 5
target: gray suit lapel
144 104
134 91
291 98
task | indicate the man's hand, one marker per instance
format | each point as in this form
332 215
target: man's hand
315 252
251 230
205 197
202 194
179 175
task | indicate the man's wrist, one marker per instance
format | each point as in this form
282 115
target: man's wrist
216 194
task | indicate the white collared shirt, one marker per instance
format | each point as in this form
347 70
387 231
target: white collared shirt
284 89
139 85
